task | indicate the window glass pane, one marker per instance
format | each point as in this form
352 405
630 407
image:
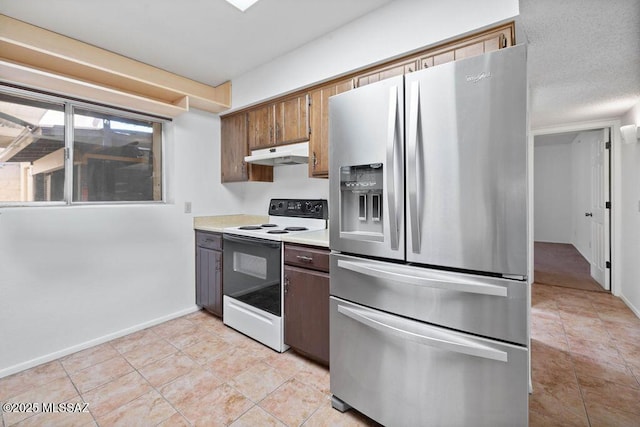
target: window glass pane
31 150
116 158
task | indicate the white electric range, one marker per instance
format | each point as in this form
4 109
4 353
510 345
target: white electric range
252 268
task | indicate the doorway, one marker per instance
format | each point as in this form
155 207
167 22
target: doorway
572 212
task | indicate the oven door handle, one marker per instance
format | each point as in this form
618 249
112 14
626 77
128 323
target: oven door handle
252 241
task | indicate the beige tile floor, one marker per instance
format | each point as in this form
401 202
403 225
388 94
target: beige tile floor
195 371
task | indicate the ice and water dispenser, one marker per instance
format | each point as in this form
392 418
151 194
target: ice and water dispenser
361 200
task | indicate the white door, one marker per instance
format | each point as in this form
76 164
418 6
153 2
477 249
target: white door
598 213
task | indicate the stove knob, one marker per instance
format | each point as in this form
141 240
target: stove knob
308 206
273 207
318 208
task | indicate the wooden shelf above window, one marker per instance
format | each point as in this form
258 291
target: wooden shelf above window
42 59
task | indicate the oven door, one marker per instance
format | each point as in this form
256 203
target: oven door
251 272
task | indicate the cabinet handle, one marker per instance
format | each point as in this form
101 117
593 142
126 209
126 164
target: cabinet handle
286 284
315 160
305 258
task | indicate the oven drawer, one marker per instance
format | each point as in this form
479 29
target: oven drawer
209 240
306 257
403 372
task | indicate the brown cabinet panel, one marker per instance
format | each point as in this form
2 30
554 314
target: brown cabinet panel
467 48
306 307
307 257
234 147
209 272
319 120
292 120
260 123
395 69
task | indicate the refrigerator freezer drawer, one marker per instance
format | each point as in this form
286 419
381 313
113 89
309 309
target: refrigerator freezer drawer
402 372
481 305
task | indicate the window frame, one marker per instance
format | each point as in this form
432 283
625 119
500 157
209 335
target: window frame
71 104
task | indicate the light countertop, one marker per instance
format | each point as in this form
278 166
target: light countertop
218 222
313 238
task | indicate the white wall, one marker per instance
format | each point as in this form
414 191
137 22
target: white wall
553 193
72 277
630 217
398 28
75 276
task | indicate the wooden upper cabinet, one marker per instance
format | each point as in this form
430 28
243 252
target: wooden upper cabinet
283 122
395 69
234 147
301 117
260 124
319 138
473 46
292 120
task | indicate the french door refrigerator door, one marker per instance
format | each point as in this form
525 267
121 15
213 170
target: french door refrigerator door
466 157
402 372
366 144
488 306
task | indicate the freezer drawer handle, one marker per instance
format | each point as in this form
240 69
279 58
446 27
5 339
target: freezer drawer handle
453 343
459 285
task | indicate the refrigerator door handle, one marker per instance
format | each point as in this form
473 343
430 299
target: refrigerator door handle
392 133
412 167
467 284
440 339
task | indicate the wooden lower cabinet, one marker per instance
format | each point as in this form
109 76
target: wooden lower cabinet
209 272
306 311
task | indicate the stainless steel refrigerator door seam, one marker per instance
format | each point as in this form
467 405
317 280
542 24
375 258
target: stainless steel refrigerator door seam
412 169
440 339
392 133
468 285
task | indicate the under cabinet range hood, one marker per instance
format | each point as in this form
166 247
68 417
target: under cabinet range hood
292 154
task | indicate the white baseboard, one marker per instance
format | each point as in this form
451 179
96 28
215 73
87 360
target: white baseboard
84 345
635 310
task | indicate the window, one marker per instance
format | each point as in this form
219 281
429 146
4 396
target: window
59 151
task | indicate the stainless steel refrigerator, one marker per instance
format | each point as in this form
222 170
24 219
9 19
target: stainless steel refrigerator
429 289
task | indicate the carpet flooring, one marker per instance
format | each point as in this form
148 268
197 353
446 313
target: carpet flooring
561 264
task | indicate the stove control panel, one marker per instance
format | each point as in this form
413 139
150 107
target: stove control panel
300 208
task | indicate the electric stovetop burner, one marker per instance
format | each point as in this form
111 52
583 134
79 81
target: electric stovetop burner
250 227
295 228
277 231
269 225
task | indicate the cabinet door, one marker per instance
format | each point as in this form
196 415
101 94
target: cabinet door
292 120
319 119
260 123
466 49
306 308
396 69
209 280
233 148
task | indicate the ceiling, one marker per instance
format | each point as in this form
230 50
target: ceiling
584 61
